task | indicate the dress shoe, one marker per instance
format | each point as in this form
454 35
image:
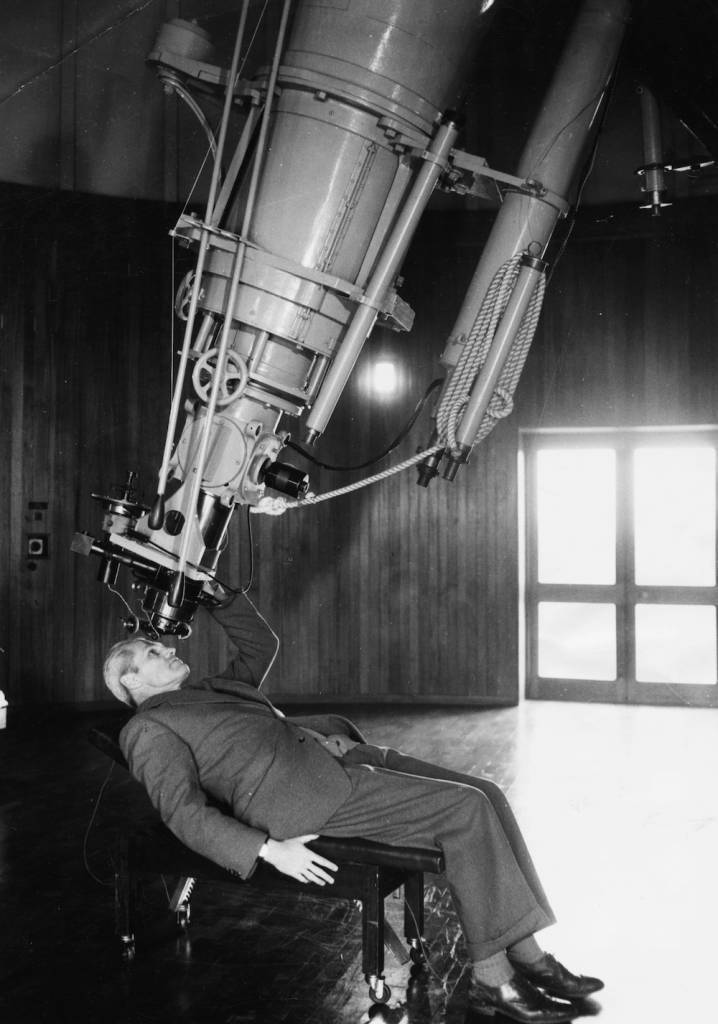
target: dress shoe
550 975
519 1000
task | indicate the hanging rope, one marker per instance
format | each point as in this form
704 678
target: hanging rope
475 353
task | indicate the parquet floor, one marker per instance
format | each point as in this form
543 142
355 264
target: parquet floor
618 806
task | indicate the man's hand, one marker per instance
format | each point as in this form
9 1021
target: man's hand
291 857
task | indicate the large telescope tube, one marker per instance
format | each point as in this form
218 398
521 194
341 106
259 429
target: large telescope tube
301 264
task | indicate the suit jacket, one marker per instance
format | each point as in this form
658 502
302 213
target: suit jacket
223 739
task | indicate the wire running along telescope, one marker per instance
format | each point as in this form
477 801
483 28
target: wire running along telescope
344 139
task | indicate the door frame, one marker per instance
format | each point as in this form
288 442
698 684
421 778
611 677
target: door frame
624 593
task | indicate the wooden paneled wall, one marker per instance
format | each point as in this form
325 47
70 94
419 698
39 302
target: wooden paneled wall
629 329
84 357
391 593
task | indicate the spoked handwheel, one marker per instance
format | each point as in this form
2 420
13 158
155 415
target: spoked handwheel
234 377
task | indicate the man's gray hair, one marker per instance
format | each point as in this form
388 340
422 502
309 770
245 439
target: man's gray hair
121 659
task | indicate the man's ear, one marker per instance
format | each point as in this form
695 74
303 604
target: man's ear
130 681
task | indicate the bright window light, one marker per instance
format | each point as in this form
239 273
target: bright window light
576 502
674 500
576 640
676 644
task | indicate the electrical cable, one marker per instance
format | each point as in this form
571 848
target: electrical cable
90 823
585 174
250 548
422 945
387 451
244 589
557 135
194 106
173 243
553 260
118 594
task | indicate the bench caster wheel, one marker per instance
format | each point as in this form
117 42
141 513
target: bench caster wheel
183 914
379 991
128 947
416 986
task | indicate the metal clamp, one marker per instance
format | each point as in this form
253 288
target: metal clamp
189 226
478 166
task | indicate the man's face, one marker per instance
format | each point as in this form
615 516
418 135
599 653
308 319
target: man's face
158 668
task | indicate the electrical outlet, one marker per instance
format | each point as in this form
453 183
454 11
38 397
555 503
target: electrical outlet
37 545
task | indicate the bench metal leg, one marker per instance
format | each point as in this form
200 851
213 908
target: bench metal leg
373 936
372 926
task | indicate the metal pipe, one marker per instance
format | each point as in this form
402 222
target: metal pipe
257 351
233 169
264 126
205 330
654 169
196 484
387 268
156 517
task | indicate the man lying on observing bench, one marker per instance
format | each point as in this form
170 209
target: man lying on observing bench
288 780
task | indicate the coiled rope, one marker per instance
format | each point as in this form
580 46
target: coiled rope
475 353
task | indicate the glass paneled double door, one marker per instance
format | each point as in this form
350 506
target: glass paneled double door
620 588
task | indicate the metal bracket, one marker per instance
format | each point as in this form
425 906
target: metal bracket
694 166
398 313
478 166
400 139
209 76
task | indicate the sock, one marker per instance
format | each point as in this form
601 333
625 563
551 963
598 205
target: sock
526 951
494 970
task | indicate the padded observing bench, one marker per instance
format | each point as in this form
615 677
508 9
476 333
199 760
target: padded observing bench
367 873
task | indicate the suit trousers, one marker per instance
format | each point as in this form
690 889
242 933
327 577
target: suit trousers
402 801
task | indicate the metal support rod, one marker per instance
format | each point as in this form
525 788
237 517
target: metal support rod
175 597
264 127
387 268
157 514
501 345
203 334
653 170
651 121
258 346
233 169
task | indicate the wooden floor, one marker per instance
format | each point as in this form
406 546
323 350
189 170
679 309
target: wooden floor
618 806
